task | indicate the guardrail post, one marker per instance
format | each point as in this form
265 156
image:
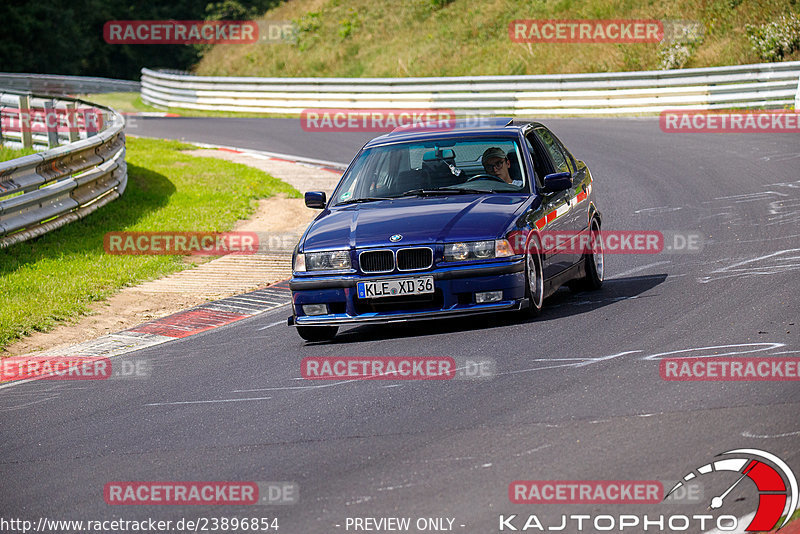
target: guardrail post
72 123
47 190
90 121
797 96
51 123
25 132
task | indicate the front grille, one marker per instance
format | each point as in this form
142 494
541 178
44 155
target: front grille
414 259
408 303
376 261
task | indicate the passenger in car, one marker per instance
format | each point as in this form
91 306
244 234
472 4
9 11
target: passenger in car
496 163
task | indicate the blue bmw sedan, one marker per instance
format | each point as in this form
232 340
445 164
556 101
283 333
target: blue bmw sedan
434 223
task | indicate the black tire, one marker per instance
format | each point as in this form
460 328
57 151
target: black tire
317 333
594 262
534 281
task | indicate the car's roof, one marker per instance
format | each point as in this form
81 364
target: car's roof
491 126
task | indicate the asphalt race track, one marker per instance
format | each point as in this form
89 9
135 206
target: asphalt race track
577 393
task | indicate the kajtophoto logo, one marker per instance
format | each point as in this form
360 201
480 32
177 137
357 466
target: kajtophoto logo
775 481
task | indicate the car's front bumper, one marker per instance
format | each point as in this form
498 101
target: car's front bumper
455 287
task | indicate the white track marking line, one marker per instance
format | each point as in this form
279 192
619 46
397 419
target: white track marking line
319 386
535 369
205 401
21 406
763 347
739 264
590 361
747 434
276 323
531 451
582 362
640 268
282 388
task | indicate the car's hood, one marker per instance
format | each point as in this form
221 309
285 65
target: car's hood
417 219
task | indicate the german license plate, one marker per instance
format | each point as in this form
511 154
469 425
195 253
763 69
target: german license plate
395 288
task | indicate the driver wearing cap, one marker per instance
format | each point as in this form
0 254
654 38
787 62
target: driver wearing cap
496 163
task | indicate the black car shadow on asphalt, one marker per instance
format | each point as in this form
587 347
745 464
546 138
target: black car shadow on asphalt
563 303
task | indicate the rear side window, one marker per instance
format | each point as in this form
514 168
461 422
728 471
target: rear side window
553 148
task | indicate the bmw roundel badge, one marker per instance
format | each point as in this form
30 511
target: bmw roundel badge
395 238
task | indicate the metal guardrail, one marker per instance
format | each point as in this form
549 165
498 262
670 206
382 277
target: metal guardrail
56 85
768 85
47 190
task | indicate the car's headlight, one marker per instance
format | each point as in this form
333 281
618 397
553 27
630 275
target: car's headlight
334 260
477 250
483 249
456 251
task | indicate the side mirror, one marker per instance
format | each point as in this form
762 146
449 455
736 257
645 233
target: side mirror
558 181
315 199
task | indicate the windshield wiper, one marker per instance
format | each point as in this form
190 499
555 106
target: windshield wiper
443 191
364 199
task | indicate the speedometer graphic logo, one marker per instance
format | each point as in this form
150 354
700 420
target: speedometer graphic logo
776 483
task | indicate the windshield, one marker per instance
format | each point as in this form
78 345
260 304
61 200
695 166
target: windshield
443 166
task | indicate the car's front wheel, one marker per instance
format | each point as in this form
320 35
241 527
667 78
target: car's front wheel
534 280
317 333
595 261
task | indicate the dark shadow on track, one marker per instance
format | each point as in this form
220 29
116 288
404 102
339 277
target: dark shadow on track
563 303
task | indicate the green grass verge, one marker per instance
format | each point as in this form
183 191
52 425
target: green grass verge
364 38
122 102
56 277
12 153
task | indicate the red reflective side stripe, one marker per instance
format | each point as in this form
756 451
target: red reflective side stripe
551 216
581 196
540 223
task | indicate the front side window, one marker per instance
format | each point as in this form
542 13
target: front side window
553 149
482 165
